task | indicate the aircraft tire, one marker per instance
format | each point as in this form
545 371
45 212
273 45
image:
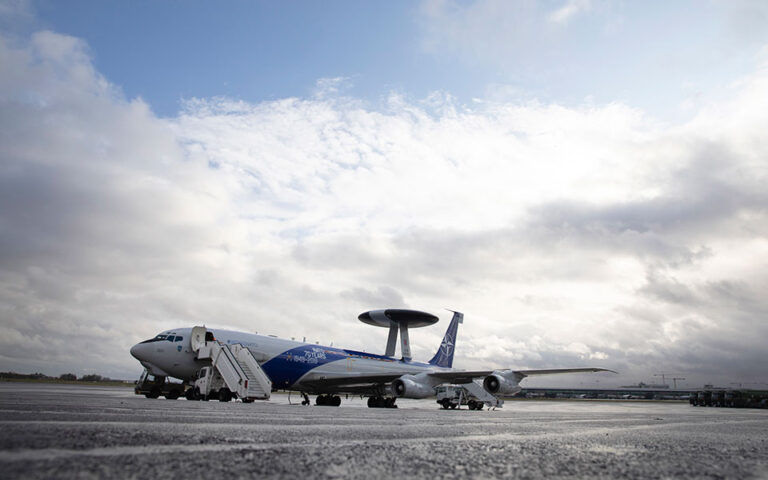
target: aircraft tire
371 402
335 401
225 395
320 401
390 403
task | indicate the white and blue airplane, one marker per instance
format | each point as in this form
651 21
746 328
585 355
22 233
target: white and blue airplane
327 371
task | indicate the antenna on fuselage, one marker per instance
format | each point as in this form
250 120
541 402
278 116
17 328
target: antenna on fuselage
398 320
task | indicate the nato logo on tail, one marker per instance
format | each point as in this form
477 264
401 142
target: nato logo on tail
444 355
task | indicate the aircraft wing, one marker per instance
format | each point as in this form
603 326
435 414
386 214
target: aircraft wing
528 373
363 383
458 376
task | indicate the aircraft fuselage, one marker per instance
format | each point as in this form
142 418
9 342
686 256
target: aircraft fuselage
288 363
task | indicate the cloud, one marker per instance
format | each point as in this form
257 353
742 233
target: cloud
16 15
485 30
569 10
746 20
589 235
325 87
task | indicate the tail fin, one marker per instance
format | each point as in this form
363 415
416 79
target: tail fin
444 355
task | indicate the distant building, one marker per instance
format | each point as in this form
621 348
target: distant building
649 386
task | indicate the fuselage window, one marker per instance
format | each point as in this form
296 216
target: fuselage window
178 338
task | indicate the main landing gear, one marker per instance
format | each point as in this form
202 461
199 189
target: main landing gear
381 402
328 400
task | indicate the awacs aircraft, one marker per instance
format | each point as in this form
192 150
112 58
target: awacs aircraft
329 371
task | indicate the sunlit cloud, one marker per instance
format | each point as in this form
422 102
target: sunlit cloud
569 235
569 10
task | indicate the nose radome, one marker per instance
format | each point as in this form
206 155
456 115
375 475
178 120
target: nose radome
136 351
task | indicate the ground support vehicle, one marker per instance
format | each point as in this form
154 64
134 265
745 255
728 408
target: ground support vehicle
233 371
730 398
153 386
453 396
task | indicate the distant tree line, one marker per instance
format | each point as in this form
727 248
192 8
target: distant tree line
66 376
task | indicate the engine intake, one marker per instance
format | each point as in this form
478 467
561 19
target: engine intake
498 383
492 383
410 386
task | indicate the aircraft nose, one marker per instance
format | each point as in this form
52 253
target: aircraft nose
137 350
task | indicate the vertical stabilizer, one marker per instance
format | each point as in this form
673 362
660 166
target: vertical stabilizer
444 355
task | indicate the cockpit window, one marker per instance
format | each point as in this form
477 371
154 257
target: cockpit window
158 338
170 338
178 338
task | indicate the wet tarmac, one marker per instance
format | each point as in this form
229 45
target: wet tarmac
55 431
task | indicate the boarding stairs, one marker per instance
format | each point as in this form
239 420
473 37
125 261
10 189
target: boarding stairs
236 365
475 387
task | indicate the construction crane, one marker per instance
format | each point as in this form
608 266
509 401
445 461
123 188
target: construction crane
664 376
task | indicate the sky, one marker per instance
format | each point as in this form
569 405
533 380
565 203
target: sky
585 180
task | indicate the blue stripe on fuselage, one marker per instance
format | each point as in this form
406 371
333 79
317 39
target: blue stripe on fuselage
287 368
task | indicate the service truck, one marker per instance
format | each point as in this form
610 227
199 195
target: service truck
152 386
453 396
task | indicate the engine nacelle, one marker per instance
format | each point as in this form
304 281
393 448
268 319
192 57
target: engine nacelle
501 383
411 386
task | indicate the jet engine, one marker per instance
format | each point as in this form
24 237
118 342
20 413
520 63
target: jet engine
413 386
504 383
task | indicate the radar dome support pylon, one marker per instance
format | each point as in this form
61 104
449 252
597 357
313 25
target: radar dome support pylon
398 320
